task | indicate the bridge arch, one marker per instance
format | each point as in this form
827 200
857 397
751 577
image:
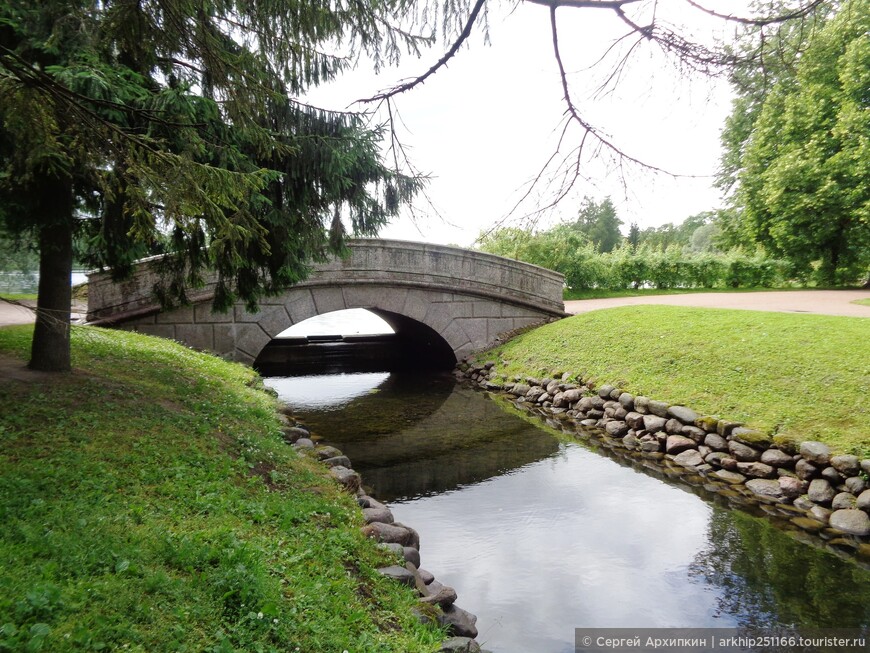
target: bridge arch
468 299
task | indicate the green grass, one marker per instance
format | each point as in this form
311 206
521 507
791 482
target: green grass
862 302
17 296
148 503
796 377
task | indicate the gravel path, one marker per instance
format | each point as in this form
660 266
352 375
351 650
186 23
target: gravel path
825 302
18 313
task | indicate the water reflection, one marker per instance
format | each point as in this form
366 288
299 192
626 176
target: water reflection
541 537
769 576
574 541
415 435
308 394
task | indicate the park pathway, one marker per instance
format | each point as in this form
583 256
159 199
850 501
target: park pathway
824 302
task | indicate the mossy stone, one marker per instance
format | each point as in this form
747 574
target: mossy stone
706 422
751 436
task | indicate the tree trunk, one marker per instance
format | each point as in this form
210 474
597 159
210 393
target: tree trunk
50 350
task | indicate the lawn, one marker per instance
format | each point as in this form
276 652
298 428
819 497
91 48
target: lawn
796 377
149 503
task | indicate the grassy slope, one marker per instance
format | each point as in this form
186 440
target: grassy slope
148 503
774 371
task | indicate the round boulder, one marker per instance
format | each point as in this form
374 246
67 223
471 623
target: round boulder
776 458
756 470
846 465
715 442
689 458
459 645
685 415
653 423
856 485
616 429
791 487
765 488
743 452
678 443
659 408
347 477
458 622
820 491
854 522
843 500
816 452
805 470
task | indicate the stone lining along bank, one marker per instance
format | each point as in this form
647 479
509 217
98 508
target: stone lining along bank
437 601
825 495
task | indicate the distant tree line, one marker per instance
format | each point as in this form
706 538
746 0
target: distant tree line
681 256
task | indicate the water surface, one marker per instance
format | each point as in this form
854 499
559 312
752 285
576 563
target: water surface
540 536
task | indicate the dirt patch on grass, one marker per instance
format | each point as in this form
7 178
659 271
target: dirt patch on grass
15 370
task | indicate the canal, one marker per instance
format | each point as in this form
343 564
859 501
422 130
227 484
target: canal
540 534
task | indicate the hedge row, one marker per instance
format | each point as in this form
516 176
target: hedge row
672 268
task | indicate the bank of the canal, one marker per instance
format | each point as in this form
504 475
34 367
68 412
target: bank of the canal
149 503
794 377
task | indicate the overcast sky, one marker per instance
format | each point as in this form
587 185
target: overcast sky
484 126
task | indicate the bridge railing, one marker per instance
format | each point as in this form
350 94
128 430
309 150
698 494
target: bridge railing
371 262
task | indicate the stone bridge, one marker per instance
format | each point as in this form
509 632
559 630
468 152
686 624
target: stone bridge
455 299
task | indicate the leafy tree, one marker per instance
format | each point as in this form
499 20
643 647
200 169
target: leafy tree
805 182
124 125
560 248
599 223
660 237
765 55
17 256
703 239
633 235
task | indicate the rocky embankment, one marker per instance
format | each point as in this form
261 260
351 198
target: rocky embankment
823 494
436 601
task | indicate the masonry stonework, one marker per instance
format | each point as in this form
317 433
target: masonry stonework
470 298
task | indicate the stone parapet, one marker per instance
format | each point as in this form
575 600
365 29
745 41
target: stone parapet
469 299
372 262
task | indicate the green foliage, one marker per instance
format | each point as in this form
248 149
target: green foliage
18 264
624 267
684 233
794 377
599 223
142 127
804 177
150 504
766 55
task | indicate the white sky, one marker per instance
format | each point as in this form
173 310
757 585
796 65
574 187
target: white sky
484 126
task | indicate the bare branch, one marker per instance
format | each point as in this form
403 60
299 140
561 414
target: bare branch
759 22
463 36
572 111
584 4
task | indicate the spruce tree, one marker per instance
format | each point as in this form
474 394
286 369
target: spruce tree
131 127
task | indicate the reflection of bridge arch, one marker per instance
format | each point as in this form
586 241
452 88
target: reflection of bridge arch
468 298
405 440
